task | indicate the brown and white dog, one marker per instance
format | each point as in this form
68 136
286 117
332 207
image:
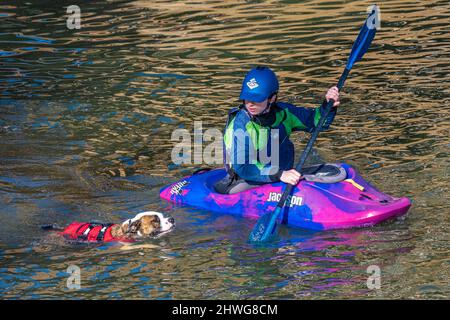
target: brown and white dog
144 224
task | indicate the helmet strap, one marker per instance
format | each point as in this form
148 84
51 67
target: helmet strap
266 109
269 104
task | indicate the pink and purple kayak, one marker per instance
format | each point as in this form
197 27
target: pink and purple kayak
350 203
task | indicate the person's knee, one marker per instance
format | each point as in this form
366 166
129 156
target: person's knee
232 186
242 186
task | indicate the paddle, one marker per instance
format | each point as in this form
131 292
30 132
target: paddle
266 225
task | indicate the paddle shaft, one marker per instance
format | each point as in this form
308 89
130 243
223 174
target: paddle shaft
313 138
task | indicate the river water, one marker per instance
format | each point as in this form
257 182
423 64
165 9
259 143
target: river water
76 103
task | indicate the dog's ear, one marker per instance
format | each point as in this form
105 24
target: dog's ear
131 227
134 226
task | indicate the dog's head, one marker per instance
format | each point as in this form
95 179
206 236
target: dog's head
147 224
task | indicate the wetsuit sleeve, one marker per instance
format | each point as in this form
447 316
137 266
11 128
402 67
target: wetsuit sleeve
306 119
244 155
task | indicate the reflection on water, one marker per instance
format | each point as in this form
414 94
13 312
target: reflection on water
87 115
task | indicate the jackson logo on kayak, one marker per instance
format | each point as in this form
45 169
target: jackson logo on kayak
176 189
292 200
252 84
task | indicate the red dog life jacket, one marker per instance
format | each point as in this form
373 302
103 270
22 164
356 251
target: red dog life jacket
92 232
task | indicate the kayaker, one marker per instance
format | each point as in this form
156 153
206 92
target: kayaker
258 116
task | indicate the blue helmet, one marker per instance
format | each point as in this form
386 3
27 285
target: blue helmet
259 84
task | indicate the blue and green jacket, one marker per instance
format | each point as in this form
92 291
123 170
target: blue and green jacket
285 117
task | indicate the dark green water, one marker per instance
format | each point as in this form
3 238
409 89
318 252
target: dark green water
76 103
